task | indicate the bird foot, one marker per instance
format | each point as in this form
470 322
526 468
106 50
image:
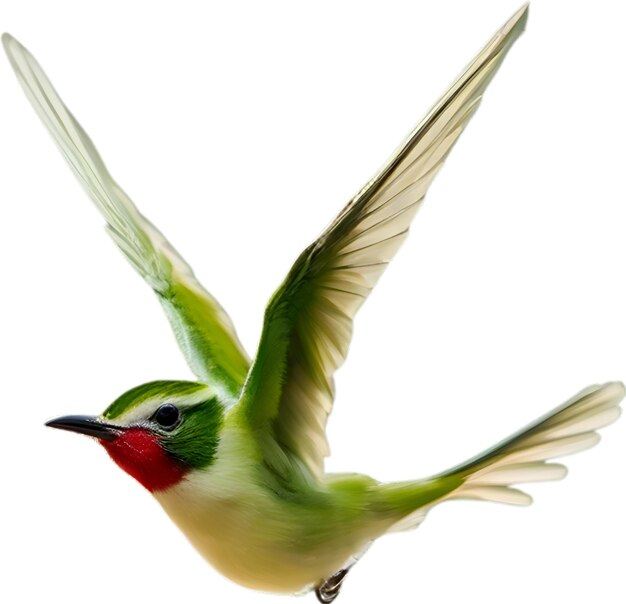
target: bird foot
328 589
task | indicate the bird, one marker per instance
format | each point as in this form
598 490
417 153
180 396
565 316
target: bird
236 457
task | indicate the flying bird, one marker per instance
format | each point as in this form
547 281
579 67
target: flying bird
236 458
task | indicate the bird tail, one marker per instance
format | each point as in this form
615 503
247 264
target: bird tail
520 458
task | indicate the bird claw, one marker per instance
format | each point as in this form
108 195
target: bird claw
328 589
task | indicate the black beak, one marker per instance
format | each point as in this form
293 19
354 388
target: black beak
85 424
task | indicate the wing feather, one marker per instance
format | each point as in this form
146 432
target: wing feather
202 328
308 322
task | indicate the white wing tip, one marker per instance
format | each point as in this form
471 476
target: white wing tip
519 18
8 41
12 46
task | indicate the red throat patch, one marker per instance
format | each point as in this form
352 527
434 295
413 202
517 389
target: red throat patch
137 452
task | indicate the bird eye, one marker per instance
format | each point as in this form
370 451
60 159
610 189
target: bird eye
167 416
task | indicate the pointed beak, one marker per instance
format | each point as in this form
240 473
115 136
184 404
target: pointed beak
85 424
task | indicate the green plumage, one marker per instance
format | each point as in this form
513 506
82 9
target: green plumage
237 458
195 444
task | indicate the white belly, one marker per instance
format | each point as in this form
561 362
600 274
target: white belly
254 541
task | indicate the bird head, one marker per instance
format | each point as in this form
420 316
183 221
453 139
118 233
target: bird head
157 432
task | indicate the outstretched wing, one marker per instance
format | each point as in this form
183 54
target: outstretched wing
204 331
308 322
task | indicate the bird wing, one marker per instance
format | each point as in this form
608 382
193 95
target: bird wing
308 322
204 331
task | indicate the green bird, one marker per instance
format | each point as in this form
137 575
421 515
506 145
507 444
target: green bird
236 458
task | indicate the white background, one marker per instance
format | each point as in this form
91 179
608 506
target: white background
240 129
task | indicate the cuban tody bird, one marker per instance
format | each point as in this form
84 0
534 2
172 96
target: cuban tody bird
236 458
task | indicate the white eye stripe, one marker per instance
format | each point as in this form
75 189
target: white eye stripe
145 411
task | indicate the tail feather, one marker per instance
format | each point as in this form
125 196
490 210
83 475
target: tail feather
522 457
517 473
497 493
